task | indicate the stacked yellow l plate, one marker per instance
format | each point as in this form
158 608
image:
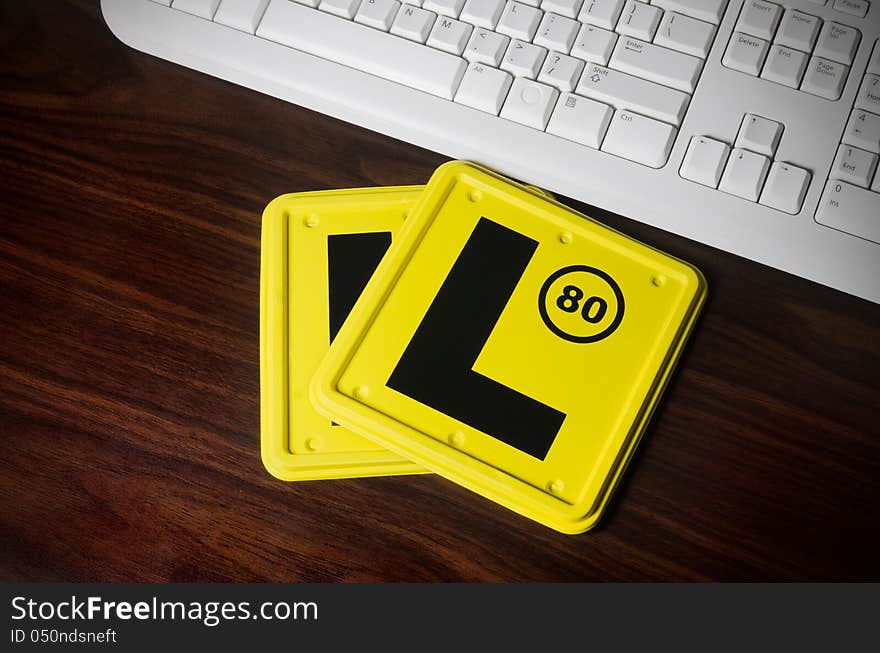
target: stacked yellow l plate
512 345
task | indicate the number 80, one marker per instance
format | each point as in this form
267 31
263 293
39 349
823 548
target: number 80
569 301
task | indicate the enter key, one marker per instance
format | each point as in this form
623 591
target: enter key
655 63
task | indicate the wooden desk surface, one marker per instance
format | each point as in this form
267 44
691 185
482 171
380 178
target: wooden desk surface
132 190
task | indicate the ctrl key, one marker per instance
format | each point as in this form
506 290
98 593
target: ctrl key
851 209
639 139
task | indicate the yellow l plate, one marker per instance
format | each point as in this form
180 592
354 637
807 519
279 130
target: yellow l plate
512 345
318 251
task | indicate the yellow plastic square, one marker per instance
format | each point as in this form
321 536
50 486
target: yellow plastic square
512 345
300 233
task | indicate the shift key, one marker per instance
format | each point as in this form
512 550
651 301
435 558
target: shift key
624 91
851 209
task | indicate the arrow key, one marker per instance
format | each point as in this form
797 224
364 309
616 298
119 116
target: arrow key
786 188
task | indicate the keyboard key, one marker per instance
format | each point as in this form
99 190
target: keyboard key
483 13
785 66
704 161
854 166
639 20
242 15
414 23
639 139
825 78
343 8
786 188
656 64
798 30
708 10
519 21
853 7
594 44
759 135
602 13
850 209
557 33
838 43
529 103
377 13
745 53
449 35
874 62
624 91
560 71
201 8
486 47
685 34
868 97
523 59
484 88
580 119
863 130
450 8
359 47
759 18
744 175
567 8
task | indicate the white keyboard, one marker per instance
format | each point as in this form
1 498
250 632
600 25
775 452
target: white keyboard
749 125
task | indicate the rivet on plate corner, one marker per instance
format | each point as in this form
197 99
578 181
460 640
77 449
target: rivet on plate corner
312 221
313 444
456 439
555 486
361 392
565 237
658 280
406 214
475 196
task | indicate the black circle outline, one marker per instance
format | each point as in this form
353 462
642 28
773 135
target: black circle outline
542 300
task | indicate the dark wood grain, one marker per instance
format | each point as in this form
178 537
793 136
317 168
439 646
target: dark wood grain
129 389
